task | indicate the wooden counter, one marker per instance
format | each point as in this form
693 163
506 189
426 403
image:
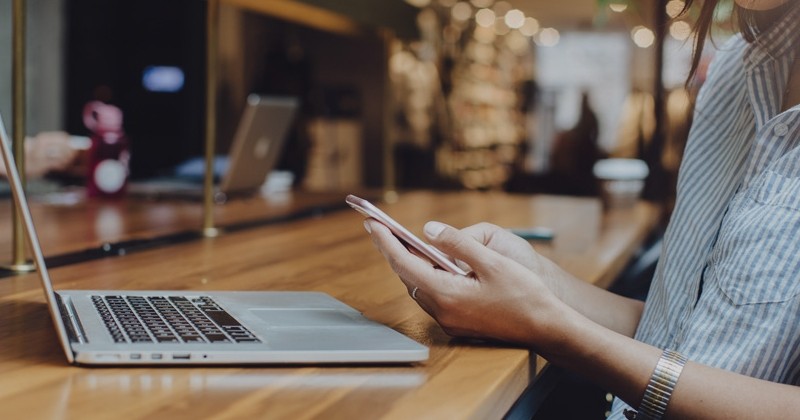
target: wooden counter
331 254
69 223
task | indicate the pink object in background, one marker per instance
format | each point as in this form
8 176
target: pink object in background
109 155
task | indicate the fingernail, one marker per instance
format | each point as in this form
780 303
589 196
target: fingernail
433 229
366 226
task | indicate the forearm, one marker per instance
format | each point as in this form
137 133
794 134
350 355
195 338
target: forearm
607 309
624 366
610 310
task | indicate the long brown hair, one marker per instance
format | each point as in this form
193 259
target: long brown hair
744 20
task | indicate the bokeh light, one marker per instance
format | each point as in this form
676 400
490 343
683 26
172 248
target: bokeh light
675 7
485 17
680 30
515 18
548 37
530 27
618 6
643 37
461 11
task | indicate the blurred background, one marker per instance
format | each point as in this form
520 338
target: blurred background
518 95
569 97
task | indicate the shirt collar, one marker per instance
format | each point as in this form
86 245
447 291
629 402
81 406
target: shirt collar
778 42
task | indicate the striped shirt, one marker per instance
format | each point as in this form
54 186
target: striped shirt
726 292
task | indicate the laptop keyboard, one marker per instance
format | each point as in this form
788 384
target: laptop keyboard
169 319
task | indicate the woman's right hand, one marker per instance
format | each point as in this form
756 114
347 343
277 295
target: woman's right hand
512 246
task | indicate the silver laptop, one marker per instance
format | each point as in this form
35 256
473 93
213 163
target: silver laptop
114 327
256 148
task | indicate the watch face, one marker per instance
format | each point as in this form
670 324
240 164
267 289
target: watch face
109 176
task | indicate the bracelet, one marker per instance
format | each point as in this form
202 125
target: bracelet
659 389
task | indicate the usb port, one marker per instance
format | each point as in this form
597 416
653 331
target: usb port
180 356
136 356
155 356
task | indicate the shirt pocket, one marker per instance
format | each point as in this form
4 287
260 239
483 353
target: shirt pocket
776 189
758 254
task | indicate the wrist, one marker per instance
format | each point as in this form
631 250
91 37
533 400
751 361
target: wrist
554 277
557 326
659 390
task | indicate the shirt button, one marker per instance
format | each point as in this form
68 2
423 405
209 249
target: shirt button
781 129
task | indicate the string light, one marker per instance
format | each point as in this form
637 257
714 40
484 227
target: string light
461 11
530 27
618 6
481 4
675 7
485 17
680 30
643 37
515 19
548 37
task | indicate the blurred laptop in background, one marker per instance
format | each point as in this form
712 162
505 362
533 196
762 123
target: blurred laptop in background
256 148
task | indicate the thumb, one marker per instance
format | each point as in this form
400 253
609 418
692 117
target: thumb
460 245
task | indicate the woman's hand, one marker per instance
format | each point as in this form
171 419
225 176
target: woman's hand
48 151
502 299
511 282
512 246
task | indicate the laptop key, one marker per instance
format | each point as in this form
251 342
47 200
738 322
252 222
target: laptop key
247 340
222 318
217 338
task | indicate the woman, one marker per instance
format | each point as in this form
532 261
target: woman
726 294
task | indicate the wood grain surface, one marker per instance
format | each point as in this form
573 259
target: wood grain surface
331 254
68 222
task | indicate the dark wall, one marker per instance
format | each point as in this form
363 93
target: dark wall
109 44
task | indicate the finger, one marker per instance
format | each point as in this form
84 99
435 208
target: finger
422 299
404 263
495 237
461 246
417 253
370 224
482 232
413 272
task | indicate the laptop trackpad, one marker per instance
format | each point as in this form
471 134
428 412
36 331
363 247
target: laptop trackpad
308 318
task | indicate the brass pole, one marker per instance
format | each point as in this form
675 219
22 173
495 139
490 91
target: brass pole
19 261
212 30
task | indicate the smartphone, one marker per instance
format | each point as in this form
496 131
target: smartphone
409 239
534 233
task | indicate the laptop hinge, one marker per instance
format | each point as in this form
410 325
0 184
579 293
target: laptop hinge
74 328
